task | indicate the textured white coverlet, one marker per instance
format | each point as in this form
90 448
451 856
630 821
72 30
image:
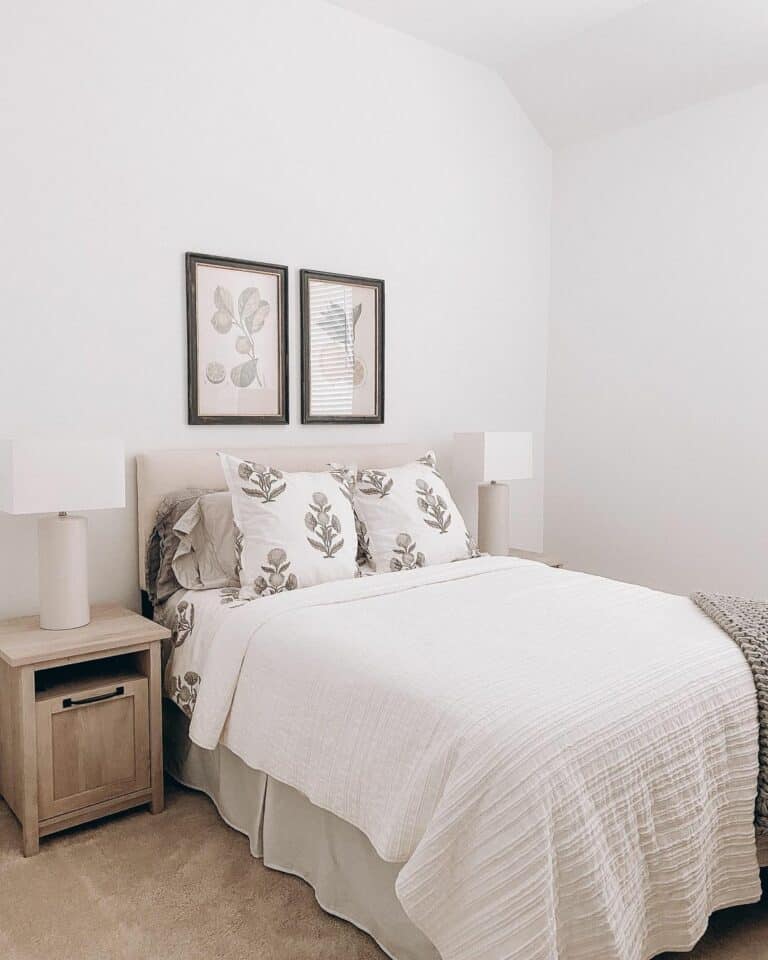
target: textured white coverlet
565 764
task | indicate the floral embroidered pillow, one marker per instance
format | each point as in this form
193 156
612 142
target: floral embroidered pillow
292 530
408 519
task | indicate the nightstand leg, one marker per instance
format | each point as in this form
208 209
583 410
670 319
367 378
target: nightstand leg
28 779
30 839
156 729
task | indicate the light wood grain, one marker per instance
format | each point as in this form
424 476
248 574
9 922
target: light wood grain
28 760
10 738
94 752
151 665
65 765
104 809
23 641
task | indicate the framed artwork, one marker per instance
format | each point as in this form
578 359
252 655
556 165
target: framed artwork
237 340
342 348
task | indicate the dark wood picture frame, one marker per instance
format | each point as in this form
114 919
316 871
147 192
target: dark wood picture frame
305 277
191 261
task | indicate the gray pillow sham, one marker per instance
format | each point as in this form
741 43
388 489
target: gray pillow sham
163 542
205 557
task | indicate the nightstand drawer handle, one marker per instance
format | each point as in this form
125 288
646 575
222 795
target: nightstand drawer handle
69 702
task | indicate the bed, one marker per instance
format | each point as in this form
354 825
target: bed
480 759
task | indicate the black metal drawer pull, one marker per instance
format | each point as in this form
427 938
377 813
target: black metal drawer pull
117 692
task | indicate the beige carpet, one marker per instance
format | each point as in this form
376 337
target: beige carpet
184 885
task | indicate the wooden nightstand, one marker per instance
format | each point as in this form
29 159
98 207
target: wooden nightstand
538 557
80 720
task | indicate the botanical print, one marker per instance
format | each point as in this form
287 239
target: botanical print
405 556
278 579
184 691
246 322
233 597
435 507
237 330
185 622
472 551
430 460
345 479
363 542
325 525
238 549
374 482
264 480
342 346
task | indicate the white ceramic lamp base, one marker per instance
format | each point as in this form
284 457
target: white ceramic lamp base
63 566
493 518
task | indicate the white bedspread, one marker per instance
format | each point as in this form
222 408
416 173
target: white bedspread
565 764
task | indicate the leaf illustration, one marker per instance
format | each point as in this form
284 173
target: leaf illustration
356 311
336 547
263 480
243 345
434 506
378 483
248 302
223 300
222 321
256 322
244 374
316 544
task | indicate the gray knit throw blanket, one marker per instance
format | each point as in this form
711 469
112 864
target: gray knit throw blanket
746 623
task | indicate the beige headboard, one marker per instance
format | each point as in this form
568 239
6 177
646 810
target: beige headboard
162 471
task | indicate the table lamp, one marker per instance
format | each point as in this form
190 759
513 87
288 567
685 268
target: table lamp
58 475
489 460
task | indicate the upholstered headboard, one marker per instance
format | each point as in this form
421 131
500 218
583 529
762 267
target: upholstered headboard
162 471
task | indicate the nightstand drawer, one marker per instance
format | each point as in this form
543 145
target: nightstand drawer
92 743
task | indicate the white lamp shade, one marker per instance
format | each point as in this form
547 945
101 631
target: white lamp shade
499 455
56 474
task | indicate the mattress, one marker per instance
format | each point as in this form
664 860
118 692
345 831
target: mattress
560 766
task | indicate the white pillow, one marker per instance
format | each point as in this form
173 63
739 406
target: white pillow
409 518
291 529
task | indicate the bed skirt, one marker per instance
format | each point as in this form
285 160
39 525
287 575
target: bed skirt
294 836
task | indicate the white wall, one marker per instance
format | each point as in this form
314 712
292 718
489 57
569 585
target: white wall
657 461
288 131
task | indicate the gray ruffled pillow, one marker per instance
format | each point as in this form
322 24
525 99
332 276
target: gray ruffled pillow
164 542
205 558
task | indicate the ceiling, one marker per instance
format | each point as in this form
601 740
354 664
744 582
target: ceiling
582 68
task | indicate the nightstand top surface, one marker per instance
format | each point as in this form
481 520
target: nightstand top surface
24 642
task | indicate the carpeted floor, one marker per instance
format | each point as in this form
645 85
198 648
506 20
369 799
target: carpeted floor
183 884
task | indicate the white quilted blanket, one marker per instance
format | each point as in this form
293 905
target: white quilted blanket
566 765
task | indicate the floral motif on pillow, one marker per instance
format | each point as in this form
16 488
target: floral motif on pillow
409 517
292 530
